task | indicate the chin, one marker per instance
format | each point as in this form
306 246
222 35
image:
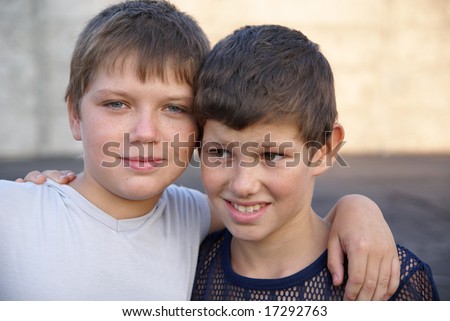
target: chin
247 234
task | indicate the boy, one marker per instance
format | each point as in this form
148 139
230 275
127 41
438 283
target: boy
120 231
265 98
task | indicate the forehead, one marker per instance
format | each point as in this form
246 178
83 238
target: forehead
144 71
123 80
268 133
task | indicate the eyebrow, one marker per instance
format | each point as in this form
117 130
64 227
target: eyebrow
270 144
101 92
125 94
181 98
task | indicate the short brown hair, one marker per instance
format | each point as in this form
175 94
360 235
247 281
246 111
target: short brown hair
268 73
156 33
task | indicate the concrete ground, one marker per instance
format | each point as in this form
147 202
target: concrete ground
412 191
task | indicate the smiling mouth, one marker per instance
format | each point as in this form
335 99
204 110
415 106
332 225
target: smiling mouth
247 209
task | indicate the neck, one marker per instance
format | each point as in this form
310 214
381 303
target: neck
114 205
284 254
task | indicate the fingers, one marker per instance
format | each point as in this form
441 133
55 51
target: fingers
394 280
336 261
370 248
377 279
61 177
382 282
384 276
372 277
357 263
35 177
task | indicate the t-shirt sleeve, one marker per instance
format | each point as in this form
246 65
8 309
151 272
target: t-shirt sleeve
18 198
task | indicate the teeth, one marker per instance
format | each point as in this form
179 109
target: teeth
247 209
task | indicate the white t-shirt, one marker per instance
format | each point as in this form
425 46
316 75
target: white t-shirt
56 245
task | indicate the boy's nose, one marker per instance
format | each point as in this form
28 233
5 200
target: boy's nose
244 181
146 129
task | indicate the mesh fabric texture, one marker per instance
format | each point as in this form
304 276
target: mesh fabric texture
216 280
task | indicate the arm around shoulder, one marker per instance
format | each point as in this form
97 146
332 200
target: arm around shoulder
360 232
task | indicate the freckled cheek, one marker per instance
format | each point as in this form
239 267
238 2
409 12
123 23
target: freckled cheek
180 142
105 139
100 141
288 187
213 179
103 130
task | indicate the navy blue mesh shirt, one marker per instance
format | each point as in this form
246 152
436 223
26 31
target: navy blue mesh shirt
216 280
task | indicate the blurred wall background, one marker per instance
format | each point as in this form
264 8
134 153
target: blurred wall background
391 60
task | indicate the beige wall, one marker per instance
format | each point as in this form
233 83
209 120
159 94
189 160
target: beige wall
391 60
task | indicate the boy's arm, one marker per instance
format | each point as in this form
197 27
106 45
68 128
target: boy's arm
360 232
66 176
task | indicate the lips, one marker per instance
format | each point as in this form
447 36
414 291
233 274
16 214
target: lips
142 163
246 213
247 209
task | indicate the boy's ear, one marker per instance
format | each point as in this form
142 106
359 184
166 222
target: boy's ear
325 157
74 119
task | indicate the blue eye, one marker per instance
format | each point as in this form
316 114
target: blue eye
175 109
272 157
116 105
